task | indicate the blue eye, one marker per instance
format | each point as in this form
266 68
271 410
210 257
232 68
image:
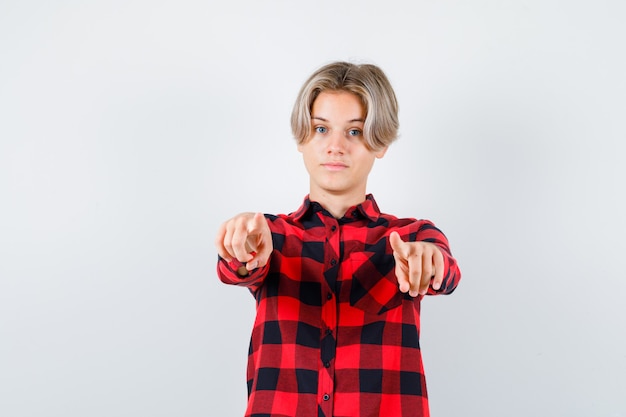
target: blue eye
321 129
354 132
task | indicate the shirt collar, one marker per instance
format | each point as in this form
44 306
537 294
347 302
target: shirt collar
368 209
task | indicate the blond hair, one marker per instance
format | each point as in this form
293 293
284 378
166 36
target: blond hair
366 81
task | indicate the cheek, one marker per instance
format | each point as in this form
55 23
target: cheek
366 167
308 160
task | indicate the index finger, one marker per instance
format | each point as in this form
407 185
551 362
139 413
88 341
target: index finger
398 245
257 223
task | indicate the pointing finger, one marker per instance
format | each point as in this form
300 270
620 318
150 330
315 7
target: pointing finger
257 223
260 242
402 267
239 242
398 245
427 273
415 273
402 274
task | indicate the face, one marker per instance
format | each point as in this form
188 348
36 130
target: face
335 154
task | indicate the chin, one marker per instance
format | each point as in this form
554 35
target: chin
335 190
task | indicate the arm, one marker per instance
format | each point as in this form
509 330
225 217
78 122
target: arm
244 245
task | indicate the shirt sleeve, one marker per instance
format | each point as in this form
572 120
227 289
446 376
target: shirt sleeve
227 273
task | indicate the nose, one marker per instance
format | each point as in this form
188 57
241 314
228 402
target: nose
336 143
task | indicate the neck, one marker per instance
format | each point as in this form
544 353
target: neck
337 204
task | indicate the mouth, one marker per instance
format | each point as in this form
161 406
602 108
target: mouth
335 166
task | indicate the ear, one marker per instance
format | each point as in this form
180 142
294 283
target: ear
382 152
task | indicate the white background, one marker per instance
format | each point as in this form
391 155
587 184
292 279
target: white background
129 130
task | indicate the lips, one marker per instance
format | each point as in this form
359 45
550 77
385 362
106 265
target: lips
334 166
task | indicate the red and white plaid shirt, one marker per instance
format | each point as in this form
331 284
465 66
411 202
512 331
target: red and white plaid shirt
333 335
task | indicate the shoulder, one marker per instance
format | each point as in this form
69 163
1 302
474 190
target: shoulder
394 221
379 218
282 223
411 228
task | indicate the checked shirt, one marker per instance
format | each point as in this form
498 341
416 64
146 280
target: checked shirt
333 335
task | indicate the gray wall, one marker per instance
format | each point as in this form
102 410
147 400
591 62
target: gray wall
130 130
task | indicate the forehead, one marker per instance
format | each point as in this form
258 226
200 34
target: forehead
338 104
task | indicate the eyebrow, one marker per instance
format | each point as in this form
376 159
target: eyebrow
324 120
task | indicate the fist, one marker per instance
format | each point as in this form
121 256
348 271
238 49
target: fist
246 237
418 265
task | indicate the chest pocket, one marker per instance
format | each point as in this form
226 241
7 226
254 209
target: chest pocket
374 286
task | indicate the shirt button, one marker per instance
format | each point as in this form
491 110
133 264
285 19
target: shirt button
329 332
326 364
329 296
326 397
333 228
333 262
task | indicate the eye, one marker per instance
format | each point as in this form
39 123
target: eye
320 129
354 132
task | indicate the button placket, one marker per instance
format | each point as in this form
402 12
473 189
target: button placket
329 314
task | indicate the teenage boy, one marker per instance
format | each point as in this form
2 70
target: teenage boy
337 283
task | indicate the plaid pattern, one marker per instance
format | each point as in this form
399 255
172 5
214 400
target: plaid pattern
333 335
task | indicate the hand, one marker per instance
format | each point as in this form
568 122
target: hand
246 237
417 265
